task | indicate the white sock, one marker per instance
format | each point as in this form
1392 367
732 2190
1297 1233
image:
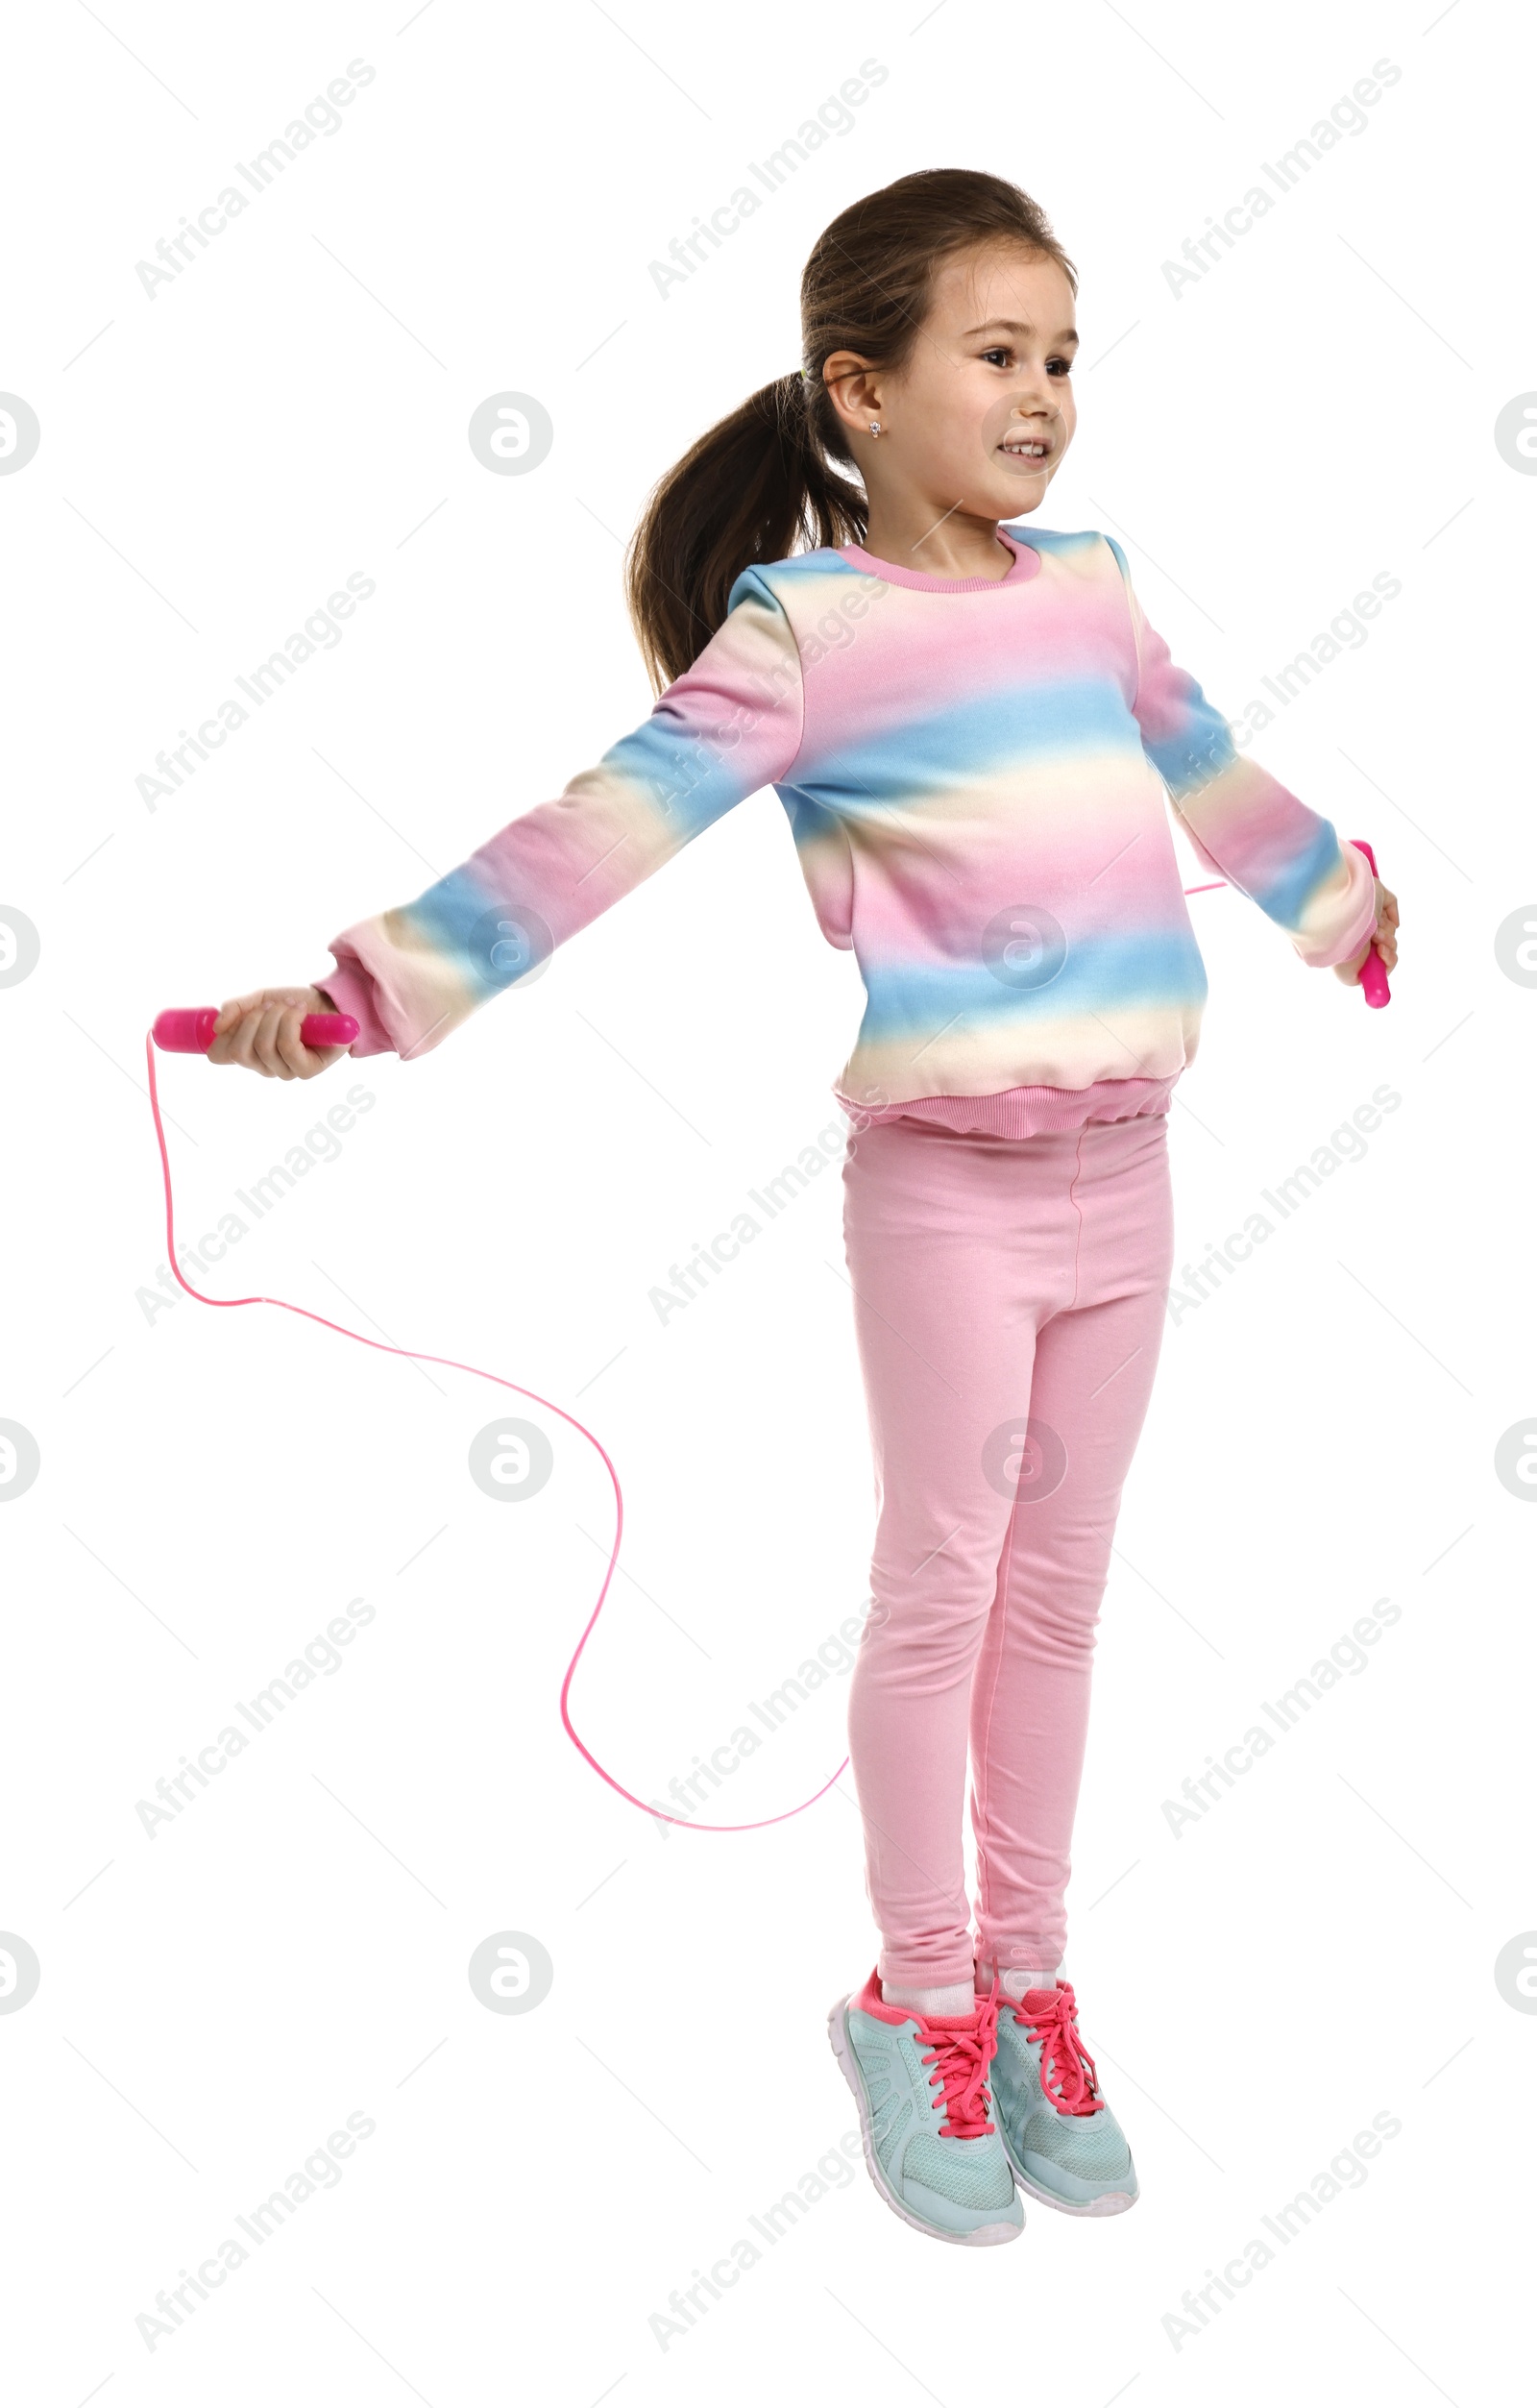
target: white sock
1015 1983
1014 1980
957 1997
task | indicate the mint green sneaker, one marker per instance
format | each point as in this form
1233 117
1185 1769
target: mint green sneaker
920 2085
1063 2142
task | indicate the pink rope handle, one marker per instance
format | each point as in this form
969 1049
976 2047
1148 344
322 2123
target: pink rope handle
411 1354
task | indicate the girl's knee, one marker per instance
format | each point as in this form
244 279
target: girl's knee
923 1636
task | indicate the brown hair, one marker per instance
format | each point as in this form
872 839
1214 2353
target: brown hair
760 483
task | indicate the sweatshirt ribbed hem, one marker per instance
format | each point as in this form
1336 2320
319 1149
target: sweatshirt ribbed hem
1018 1112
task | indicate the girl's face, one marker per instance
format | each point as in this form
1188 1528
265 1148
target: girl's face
980 417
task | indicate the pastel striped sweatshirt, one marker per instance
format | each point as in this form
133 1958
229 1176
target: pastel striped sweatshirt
974 772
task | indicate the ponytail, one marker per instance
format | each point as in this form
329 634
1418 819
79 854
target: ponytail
755 488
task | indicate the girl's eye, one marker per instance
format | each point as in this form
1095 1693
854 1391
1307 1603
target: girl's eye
1003 354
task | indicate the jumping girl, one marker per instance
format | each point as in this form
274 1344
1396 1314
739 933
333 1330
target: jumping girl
972 727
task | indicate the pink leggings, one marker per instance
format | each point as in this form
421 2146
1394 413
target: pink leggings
1009 1310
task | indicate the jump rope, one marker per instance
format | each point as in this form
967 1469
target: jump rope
192 1032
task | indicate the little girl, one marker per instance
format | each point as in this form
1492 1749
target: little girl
972 727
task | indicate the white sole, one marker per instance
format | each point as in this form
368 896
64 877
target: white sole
985 2236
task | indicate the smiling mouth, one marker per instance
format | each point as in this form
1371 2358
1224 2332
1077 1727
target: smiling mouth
1029 449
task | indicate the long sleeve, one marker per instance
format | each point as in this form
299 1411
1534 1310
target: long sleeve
730 724
1240 819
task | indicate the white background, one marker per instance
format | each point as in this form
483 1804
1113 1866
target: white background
1319 1948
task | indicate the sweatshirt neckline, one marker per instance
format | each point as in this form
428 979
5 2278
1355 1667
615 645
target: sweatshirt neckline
1026 565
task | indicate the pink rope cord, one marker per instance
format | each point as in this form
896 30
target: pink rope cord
412 1354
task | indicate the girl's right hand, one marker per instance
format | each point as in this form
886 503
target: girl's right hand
261 1031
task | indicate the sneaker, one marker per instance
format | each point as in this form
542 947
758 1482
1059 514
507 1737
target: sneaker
1063 2142
920 2085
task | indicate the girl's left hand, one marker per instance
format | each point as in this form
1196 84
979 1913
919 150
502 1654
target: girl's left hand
1384 937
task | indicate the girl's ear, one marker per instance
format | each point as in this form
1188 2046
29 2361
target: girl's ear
853 388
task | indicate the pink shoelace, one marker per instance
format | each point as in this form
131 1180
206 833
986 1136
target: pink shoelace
1068 2072
962 2047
